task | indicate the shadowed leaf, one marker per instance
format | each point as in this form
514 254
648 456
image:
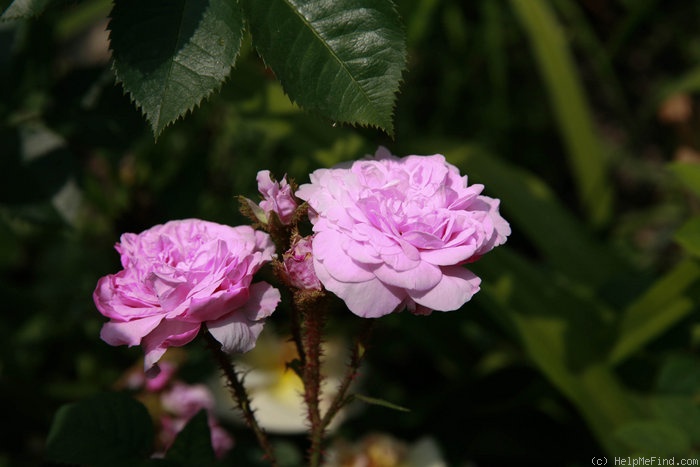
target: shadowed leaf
107 428
193 444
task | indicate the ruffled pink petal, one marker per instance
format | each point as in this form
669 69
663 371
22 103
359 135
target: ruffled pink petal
167 334
238 331
422 277
217 305
327 248
370 299
448 256
129 332
456 288
122 303
263 300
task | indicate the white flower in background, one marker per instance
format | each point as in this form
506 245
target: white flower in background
382 450
276 391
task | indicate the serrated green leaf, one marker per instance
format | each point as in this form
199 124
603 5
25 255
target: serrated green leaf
105 429
171 54
688 236
380 402
341 58
24 9
193 444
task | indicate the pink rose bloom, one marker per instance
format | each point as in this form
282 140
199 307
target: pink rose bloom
395 232
299 265
181 274
277 197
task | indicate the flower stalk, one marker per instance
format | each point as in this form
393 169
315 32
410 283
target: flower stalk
312 321
356 357
240 395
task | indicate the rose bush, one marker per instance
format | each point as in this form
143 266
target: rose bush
181 274
394 233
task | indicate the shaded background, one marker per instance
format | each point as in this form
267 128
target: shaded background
79 166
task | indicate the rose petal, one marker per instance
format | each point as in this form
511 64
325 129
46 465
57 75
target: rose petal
328 250
238 331
423 277
448 256
456 288
167 334
129 332
370 299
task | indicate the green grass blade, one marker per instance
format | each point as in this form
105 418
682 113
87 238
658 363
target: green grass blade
568 100
663 305
565 335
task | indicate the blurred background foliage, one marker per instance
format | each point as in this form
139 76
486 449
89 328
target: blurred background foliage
579 114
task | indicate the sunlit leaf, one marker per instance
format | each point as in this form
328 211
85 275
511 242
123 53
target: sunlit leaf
340 58
171 54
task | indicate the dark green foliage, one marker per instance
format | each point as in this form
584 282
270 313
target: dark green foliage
107 429
193 444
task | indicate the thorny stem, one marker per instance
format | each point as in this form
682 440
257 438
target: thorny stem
240 396
356 357
312 325
296 319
